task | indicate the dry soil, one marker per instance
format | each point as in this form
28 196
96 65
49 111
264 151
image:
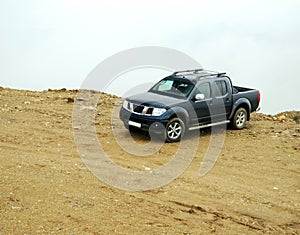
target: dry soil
45 188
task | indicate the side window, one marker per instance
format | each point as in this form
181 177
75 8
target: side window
204 88
221 88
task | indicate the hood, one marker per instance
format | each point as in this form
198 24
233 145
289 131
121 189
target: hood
154 100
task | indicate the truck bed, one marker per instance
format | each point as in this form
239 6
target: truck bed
250 94
237 89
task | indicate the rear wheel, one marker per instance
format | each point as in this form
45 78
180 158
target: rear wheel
239 119
175 130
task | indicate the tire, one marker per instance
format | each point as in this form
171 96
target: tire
239 119
175 130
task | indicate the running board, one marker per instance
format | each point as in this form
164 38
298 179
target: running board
208 125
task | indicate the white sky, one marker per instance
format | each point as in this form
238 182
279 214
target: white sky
54 44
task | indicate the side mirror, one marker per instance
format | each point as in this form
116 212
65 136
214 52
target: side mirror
199 97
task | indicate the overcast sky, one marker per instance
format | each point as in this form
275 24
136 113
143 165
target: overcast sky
54 44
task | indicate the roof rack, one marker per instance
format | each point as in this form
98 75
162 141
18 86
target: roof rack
212 74
194 71
188 71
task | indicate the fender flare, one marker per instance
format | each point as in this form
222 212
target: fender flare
244 102
180 113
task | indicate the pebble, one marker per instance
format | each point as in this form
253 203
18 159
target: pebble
146 168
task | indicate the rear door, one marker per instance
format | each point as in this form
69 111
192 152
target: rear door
222 101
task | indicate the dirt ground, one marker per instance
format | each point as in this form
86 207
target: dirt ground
45 188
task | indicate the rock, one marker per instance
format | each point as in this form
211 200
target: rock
287 132
38 100
70 100
281 118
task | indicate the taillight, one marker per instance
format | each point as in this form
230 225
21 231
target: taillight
258 97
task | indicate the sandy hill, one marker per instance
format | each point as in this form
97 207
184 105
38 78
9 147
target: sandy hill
45 188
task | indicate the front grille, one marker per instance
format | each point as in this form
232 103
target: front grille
138 108
149 111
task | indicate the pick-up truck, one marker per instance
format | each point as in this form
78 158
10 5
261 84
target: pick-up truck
188 100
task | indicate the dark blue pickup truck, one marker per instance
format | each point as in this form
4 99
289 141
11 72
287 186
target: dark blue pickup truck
188 100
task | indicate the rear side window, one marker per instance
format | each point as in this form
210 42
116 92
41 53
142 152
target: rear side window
221 88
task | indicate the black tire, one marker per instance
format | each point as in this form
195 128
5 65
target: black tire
239 119
175 130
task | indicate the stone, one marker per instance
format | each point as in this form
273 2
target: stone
281 118
70 100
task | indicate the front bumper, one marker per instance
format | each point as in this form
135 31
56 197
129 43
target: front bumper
143 122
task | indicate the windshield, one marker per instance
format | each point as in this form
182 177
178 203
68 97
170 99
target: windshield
173 87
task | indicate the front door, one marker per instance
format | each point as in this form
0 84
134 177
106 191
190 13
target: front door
202 107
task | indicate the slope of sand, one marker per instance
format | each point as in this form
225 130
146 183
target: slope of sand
254 187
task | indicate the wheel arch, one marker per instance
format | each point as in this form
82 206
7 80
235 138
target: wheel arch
180 113
241 103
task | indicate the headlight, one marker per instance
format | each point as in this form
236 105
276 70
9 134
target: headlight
158 111
125 104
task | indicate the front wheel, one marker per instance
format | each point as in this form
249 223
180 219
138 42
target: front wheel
240 118
175 130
